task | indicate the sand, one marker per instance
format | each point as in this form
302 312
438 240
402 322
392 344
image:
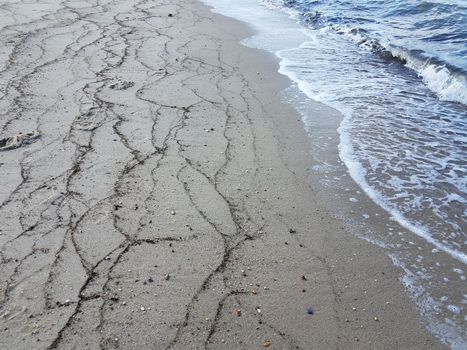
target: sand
166 203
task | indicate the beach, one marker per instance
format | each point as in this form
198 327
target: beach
164 199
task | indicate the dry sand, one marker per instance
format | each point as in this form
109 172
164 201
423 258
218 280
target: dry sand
165 204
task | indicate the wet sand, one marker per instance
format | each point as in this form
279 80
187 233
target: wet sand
166 203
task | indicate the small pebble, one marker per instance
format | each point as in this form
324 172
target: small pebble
266 343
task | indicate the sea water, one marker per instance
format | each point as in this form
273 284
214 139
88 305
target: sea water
397 71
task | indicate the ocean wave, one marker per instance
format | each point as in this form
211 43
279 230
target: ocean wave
449 83
439 78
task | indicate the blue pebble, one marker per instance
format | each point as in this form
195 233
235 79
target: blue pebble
310 311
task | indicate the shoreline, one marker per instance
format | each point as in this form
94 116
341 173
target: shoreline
180 212
433 277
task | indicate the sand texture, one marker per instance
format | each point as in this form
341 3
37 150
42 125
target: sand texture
159 200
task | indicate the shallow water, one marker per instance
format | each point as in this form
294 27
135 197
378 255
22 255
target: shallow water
405 147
